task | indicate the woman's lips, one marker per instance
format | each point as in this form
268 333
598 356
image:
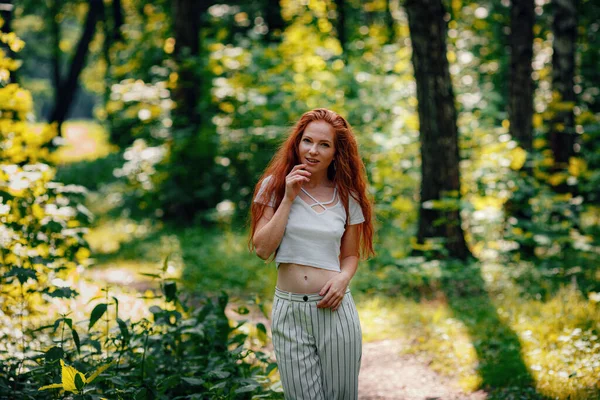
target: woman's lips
312 162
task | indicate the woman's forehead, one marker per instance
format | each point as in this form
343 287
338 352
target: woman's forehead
321 129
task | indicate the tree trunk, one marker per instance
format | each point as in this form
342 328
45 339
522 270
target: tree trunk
6 12
68 87
186 20
341 23
274 20
520 113
389 20
437 117
112 34
191 186
118 20
520 104
54 9
562 130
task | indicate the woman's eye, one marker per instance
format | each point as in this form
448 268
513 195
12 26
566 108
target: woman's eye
325 144
306 140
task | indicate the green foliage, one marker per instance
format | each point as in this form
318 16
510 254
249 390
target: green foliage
42 222
186 348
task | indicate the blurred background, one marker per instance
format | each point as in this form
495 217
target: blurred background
132 134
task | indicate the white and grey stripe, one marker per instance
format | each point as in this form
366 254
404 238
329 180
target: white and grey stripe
318 350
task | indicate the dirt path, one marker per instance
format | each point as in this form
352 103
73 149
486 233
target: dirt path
386 373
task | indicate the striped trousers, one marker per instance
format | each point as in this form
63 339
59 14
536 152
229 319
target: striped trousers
318 350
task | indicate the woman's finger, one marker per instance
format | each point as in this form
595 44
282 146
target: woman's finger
297 167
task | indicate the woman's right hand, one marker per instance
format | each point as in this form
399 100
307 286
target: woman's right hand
294 181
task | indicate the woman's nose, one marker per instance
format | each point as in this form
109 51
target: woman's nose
313 149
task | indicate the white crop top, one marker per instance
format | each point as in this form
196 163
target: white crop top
313 235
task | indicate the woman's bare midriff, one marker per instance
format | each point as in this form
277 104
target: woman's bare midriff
299 278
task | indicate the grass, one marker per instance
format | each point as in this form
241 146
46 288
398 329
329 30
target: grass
492 338
498 340
471 321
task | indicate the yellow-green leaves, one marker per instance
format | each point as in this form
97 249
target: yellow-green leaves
518 157
73 380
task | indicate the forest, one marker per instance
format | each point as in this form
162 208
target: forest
133 133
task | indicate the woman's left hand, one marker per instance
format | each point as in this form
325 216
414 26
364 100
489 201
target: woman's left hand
333 291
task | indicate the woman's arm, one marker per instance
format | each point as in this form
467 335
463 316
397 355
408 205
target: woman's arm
335 288
270 228
349 252
271 225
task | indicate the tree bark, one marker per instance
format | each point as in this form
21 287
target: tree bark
118 20
341 23
186 18
112 34
562 130
389 20
437 117
520 104
191 186
55 27
68 87
274 20
6 11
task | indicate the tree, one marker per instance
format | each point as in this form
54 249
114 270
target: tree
66 88
6 13
274 20
192 185
562 127
438 130
341 23
520 104
520 113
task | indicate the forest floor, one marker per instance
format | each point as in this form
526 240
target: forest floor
387 372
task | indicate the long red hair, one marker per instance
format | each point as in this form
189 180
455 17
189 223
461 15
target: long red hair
349 174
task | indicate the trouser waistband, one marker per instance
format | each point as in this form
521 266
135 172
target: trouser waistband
302 297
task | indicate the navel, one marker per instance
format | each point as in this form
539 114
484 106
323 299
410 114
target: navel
305 277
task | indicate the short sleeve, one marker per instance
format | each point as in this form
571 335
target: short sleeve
260 196
356 214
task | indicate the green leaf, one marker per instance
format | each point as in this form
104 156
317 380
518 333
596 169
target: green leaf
166 263
168 383
219 374
219 385
54 353
53 386
76 340
246 389
170 290
100 370
150 275
79 382
156 310
261 327
193 381
63 293
22 274
271 367
116 305
97 313
96 345
123 329
142 394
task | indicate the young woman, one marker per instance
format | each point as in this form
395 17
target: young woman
311 211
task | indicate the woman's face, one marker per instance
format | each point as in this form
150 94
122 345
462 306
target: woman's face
317 148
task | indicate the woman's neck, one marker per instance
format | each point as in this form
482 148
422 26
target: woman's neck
318 181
